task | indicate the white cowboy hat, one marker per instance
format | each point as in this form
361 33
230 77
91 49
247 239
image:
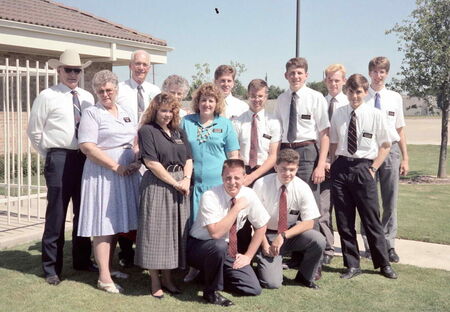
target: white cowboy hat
68 58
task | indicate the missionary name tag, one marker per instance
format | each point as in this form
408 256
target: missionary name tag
391 114
126 119
266 136
367 135
217 130
308 117
178 141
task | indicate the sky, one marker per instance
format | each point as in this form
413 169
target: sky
260 33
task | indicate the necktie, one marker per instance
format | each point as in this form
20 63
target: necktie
331 108
282 211
140 99
292 129
76 111
253 161
377 100
351 136
232 236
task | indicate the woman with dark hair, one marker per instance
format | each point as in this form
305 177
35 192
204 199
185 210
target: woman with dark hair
164 202
110 183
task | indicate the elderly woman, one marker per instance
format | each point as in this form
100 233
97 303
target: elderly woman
110 183
212 139
178 87
164 202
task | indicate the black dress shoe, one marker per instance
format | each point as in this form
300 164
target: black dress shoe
393 257
91 267
304 282
351 272
327 259
218 299
388 272
53 280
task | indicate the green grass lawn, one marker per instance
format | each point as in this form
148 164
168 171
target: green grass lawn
24 289
423 160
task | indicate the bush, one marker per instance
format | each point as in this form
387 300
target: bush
14 171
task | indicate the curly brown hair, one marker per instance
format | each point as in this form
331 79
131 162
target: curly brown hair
163 99
208 89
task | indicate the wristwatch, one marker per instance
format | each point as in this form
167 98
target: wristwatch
283 234
373 169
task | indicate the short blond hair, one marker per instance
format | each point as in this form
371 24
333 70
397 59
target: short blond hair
208 89
335 68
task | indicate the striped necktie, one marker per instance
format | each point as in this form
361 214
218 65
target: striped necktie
232 236
351 136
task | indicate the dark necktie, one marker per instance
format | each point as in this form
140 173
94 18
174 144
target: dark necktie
331 107
351 136
140 100
292 129
76 111
253 160
282 211
232 236
377 100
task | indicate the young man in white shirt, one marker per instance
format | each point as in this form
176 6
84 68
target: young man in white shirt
224 78
292 209
334 81
361 141
52 129
213 245
391 105
136 92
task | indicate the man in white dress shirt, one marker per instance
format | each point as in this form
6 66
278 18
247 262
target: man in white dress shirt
292 209
361 141
334 81
213 244
136 92
391 104
52 129
224 78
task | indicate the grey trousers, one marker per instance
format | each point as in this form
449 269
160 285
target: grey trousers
388 176
270 270
325 220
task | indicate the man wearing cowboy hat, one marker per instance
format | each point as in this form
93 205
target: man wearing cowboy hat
52 130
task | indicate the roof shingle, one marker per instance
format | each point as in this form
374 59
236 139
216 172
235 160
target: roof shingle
56 15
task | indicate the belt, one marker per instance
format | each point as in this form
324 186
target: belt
357 160
297 144
67 150
174 168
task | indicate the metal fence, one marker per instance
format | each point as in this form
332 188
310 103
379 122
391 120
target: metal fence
21 182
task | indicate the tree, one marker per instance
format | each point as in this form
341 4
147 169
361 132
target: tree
239 90
274 92
425 40
318 86
201 76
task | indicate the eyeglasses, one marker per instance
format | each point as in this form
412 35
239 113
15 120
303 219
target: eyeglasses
107 91
68 70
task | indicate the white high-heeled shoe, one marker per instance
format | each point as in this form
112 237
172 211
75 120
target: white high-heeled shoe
111 288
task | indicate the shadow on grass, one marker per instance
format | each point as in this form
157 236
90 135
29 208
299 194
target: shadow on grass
22 261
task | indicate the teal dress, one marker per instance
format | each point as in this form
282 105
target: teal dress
209 146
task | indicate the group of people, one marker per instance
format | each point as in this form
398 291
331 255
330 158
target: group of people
222 186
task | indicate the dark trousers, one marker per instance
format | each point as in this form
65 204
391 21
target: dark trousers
63 171
353 187
126 252
211 258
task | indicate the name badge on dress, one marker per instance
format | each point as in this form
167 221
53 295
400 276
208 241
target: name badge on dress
308 117
178 141
126 119
294 212
367 135
266 136
217 130
391 113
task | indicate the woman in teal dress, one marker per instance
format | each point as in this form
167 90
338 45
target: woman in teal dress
212 139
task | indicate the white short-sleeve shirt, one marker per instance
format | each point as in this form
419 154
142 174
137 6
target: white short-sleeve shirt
234 107
341 100
391 104
128 95
312 113
371 131
52 123
215 204
269 131
300 200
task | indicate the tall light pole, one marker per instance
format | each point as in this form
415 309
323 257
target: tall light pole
297 34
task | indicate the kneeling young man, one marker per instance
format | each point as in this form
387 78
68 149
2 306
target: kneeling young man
212 245
292 209
361 140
